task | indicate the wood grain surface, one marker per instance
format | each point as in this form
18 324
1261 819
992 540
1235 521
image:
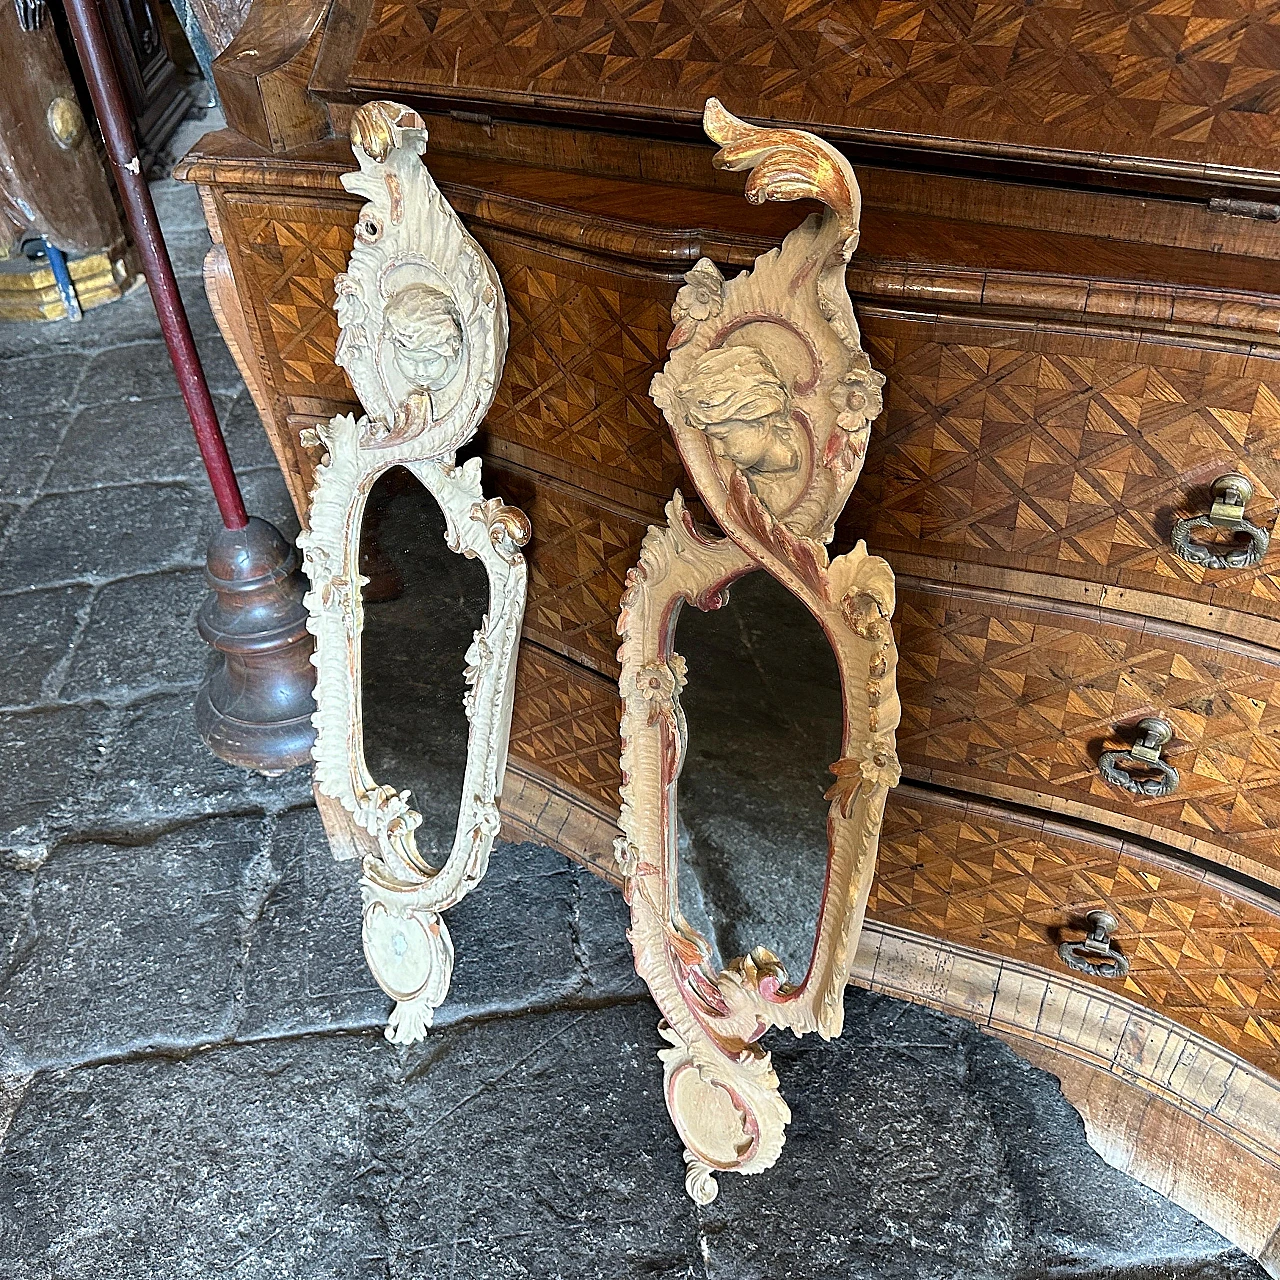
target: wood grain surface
1151 89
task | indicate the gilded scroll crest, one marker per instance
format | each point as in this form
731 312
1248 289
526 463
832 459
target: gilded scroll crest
423 323
423 334
770 399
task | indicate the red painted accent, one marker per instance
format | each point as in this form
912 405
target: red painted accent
722 335
113 117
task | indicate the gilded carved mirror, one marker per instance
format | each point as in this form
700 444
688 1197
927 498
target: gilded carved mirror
423 335
770 397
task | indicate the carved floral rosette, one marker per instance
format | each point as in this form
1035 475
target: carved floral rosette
423 335
770 398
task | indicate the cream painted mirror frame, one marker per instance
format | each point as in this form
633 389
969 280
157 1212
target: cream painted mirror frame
423 337
770 399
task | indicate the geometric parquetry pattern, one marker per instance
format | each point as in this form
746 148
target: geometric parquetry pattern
1197 954
565 724
1189 80
291 259
575 388
1074 461
578 559
584 346
1028 697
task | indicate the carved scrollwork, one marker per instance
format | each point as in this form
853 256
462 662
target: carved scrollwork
423 337
770 399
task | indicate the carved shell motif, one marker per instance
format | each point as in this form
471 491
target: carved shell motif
423 333
770 399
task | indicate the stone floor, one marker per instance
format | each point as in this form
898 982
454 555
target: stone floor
193 1079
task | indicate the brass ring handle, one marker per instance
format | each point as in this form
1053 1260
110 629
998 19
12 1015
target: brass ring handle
1152 736
1096 954
1231 494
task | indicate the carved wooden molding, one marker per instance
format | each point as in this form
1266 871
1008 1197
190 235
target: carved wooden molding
770 398
423 337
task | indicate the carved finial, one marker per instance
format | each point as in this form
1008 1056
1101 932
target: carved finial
787 164
377 127
421 319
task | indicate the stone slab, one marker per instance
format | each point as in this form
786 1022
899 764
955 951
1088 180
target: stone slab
103 533
128 441
539 932
28 442
250 1163
47 758
141 635
153 771
133 946
37 630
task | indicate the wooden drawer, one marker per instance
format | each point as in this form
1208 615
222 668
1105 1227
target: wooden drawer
1012 698
1002 695
1067 454
564 731
1201 951
585 340
1056 444
578 556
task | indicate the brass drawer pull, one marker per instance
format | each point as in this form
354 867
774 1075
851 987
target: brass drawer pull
1152 736
1231 494
1096 954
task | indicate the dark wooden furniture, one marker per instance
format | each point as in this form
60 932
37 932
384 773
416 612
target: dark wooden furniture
158 94
53 183
53 180
1067 274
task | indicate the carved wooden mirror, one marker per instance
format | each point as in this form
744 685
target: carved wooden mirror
770 398
764 718
423 335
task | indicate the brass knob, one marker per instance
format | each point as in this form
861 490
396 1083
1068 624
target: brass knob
1153 735
1096 954
66 122
1231 494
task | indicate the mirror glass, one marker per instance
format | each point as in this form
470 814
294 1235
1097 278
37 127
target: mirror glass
765 718
423 604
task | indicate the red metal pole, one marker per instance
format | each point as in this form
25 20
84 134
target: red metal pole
113 116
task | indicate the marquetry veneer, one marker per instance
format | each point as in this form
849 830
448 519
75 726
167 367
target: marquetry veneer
1201 950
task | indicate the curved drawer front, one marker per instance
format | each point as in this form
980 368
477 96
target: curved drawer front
564 729
1007 697
585 343
1017 448
1067 454
578 557
1199 951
